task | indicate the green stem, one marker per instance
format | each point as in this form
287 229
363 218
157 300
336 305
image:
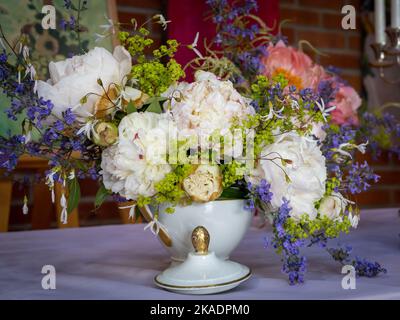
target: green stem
78 27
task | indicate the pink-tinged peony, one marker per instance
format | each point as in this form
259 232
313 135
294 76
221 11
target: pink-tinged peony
295 65
347 101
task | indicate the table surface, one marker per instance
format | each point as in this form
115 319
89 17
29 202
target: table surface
120 262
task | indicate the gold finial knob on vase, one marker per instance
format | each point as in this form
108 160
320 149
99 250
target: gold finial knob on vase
200 240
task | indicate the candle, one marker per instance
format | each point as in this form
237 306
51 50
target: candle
380 22
395 13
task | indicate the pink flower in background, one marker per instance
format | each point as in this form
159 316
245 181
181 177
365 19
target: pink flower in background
295 65
347 101
303 73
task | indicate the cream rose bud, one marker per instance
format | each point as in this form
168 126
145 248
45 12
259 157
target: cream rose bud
300 177
105 134
204 184
332 206
72 79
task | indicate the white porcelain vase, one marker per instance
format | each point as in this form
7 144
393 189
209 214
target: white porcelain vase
226 221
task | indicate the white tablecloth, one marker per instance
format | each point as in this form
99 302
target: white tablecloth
120 262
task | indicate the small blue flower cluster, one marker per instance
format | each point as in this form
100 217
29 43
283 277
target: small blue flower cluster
9 151
72 22
294 265
335 137
258 193
235 32
52 142
363 267
65 24
383 131
359 178
327 90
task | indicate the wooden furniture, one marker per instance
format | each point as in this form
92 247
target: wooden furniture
5 203
43 208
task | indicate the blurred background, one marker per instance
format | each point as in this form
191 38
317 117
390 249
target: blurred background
317 21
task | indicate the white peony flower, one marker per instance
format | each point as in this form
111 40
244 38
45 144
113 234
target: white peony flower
301 180
72 79
208 105
133 165
332 206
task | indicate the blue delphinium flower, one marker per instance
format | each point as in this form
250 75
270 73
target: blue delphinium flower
294 265
359 178
257 193
69 116
363 267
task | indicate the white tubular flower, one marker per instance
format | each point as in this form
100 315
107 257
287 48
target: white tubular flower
25 208
354 219
193 46
272 113
161 20
325 112
64 213
88 128
25 52
108 27
350 146
131 210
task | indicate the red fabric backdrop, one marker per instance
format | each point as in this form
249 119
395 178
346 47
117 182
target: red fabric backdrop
188 18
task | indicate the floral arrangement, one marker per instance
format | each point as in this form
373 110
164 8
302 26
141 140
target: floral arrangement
261 122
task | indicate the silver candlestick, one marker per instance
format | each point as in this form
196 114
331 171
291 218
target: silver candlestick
387 55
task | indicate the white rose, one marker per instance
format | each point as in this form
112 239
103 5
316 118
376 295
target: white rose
305 168
332 206
133 165
204 184
72 79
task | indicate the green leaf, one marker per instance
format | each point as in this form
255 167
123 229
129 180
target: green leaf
154 104
137 213
232 193
74 194
101 195
131 107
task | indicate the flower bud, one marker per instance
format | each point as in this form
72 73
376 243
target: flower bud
204 184
105 134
